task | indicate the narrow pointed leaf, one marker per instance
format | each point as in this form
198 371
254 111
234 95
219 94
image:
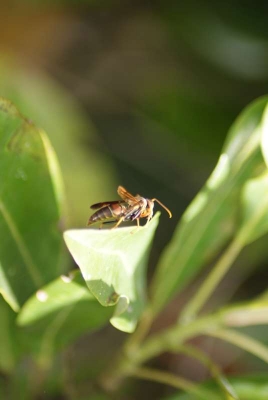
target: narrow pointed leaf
212 217
30 207
113 264
249 313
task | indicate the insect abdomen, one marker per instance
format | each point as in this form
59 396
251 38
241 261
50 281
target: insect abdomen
112 211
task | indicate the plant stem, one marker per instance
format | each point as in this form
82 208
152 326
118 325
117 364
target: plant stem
143 328
243 341
171 338
172 380
215 371
210 283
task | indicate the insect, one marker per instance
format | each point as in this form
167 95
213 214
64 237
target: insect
130 208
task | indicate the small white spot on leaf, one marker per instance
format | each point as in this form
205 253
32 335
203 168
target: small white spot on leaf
66 279
20 174
42 295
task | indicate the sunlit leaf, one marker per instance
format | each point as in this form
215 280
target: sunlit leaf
212 217
255 208
264 140
30 207
113 264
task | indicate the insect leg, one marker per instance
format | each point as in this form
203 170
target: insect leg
150 216
118 222
105 223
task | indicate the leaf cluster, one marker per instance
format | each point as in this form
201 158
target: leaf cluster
43 312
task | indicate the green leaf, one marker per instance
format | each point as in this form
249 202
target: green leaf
211 219
30 207
247 388
255 208
113 264
63 292
264 139
253 225
59 313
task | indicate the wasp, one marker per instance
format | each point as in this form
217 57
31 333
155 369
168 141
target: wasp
130 208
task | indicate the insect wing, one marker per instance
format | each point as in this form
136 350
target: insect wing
105 203
128 197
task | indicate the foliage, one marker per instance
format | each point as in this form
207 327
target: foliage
113 265
228 214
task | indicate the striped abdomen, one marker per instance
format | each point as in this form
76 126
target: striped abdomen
112 211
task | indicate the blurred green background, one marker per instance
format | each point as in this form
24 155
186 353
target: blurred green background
140 93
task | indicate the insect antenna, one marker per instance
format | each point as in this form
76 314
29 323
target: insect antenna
162 205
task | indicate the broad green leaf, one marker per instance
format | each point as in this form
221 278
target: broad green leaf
247 388
211 219
30 207
60 312
113 264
